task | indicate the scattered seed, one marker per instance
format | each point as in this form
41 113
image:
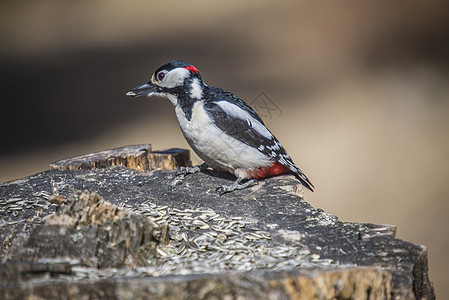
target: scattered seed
198 241
13 200
161 252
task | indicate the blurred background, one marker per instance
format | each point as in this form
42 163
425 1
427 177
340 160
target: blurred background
358 93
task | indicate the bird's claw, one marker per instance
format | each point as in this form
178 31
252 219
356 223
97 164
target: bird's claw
237 185
183 171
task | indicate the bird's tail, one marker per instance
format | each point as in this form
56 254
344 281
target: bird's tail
303 178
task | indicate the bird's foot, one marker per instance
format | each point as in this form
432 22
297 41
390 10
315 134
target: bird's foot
237 185
183 171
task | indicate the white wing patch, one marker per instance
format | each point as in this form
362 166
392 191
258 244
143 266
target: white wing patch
236 112
276 146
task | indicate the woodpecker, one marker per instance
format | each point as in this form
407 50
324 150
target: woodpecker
221 128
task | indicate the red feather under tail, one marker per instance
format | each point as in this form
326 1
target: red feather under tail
273 170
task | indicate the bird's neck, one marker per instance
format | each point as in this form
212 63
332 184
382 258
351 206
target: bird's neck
192 91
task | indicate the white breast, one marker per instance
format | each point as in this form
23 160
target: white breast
214 146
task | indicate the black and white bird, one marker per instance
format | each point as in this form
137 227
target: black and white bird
220 127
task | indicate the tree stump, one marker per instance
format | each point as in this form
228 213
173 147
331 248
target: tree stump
140 234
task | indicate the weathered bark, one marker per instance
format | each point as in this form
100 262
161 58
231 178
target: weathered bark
142 236
137 157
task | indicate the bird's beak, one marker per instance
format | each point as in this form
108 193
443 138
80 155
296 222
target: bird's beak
146 89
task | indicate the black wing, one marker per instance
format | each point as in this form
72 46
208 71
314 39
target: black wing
240 121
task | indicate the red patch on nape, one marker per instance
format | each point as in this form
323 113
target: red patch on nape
191 68
273 170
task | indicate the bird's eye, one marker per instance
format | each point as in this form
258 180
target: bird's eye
160 76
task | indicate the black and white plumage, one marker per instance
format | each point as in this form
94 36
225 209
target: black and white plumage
220 127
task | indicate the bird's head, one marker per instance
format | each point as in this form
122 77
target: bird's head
174 80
